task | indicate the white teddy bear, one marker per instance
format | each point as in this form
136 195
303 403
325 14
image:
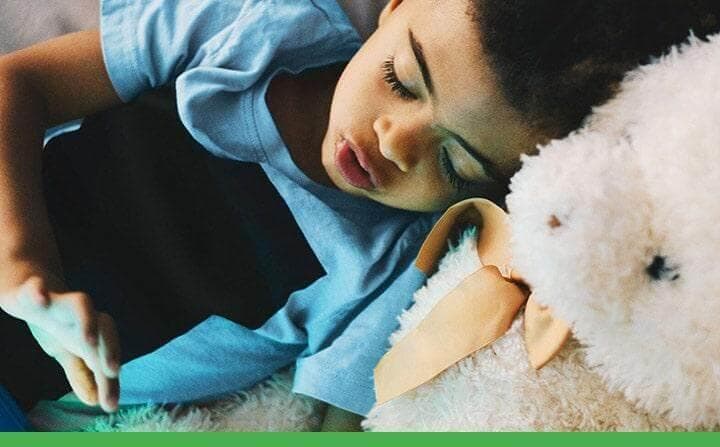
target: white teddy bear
615 229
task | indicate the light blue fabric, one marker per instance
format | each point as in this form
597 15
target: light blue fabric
220 56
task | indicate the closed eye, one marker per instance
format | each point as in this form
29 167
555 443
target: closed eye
457 182
391 78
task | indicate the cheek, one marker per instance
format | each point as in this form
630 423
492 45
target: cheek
427 193
361 106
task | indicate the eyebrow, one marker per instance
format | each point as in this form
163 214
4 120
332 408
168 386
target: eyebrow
420 58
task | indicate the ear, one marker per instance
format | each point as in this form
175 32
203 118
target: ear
387 10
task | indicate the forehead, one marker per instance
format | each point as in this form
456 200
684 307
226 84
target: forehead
451 42
465 87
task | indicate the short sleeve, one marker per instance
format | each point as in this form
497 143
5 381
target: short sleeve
217 54
147 43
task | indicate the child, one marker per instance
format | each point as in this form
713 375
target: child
437 105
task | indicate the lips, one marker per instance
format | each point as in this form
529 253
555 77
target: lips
353 167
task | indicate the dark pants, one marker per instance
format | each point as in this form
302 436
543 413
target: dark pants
161 234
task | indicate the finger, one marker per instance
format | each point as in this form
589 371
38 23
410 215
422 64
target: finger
84 316
80 377
108 345
100 359
89 382
107 391
109 354
113 396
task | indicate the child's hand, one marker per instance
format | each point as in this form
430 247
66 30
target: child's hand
68 328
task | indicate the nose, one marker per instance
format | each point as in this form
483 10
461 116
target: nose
402 141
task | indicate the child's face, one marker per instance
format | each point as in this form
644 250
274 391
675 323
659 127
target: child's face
417 109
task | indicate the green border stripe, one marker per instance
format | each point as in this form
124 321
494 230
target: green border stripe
358 439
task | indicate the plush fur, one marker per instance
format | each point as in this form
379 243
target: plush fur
268 407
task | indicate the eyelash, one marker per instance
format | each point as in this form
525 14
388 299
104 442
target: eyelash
391 78
455 180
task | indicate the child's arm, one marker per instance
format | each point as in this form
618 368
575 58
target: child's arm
40 86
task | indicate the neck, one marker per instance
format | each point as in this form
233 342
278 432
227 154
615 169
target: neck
300 106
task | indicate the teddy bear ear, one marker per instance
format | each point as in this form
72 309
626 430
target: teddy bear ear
472 316
545 334
493 234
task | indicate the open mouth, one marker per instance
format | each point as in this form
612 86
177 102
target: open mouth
351 169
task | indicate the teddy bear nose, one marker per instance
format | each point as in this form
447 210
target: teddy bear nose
659 270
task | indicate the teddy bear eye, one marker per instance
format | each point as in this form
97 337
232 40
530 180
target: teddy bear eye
660 270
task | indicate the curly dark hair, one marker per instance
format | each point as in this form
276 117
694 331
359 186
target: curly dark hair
556 59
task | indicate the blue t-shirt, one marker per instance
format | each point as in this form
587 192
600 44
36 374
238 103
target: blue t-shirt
220 56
